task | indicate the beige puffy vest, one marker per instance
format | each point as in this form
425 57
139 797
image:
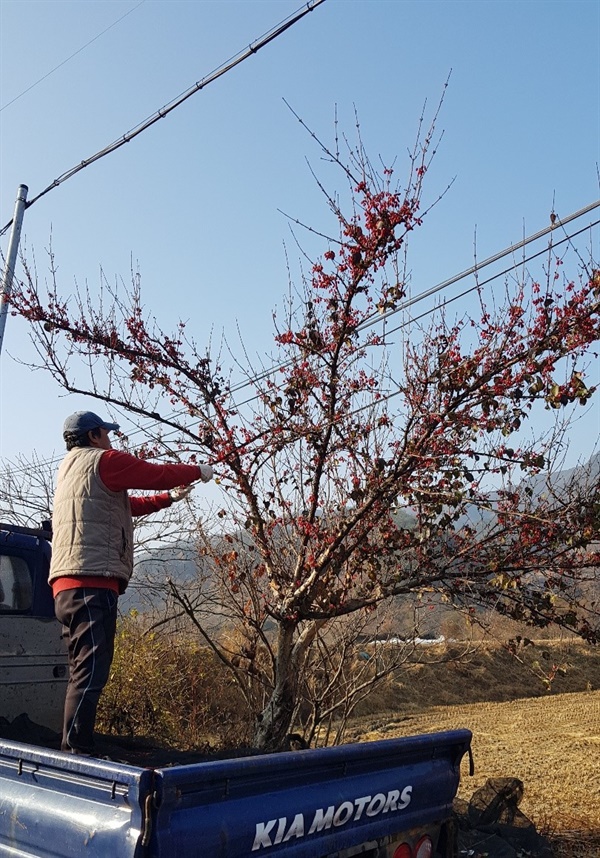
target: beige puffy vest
92 528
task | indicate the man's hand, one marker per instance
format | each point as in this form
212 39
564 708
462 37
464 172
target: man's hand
207 473
180 493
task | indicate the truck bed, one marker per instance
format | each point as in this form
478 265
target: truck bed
307 804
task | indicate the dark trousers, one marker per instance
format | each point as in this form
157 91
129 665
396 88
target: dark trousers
89 618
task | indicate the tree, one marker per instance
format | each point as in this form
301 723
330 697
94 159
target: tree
26 492
353 429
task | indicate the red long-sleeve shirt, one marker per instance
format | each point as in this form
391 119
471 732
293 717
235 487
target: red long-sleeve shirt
121 472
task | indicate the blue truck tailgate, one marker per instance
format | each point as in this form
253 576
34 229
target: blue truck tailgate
306 803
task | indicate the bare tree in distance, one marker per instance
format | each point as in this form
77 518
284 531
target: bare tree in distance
26 491
359 431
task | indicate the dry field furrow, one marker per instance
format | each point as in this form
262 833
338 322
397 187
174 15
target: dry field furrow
550 743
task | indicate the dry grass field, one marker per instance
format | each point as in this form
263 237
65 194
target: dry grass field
551 742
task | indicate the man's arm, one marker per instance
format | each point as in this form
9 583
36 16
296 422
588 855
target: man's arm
122 471
150 503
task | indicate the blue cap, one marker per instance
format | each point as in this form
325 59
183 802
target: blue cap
83 421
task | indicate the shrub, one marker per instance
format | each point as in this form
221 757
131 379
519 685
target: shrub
167 687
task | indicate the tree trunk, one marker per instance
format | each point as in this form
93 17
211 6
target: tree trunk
273 724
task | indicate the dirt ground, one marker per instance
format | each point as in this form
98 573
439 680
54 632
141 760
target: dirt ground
550 743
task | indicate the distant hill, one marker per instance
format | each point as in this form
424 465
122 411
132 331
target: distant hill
152 569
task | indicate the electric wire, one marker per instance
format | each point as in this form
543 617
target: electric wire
375 318
427 294
495 258
482 283
64 62
405 305
225 67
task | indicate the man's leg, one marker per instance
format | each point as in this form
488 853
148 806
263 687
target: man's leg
89 619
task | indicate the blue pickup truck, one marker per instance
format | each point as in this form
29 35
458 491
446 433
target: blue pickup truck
387 799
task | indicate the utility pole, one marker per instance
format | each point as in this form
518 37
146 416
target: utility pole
11 258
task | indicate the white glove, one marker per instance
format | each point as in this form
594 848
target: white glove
206 474
180 493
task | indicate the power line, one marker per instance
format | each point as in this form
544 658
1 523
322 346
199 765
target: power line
474 269
60 65
491 259
411 302
427 294
481 283
168 108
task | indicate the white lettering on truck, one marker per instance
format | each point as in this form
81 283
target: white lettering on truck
296 829
279 831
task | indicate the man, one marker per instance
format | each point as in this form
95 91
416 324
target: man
92 554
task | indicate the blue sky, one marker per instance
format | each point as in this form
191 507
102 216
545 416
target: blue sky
196 200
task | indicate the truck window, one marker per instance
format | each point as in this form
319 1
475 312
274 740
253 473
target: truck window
15 584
